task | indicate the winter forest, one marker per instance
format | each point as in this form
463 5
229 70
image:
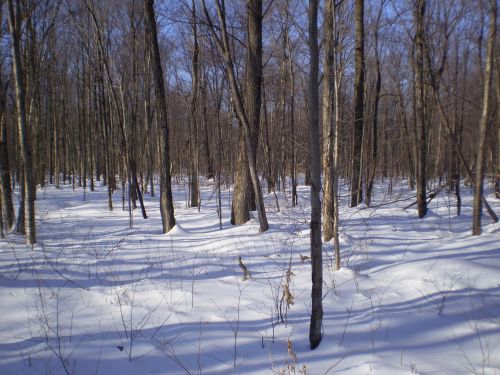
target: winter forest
249 187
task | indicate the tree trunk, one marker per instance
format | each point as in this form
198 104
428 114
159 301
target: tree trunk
242 199
29 188
206 144
328 123
5 181
315 162
337 81
359 86
420 108
240 207
497 73
193 142
483 124
268 161
378 86
166 201
292 128
248 121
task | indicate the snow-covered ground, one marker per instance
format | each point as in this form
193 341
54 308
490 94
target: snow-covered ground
97 297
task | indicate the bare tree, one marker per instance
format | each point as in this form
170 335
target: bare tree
359 87
248 117
328 121
15 21
166 200
420 106
497 91
5 180
315 334
378 86
485 116
193 143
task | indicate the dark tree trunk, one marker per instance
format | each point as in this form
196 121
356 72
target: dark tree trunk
166 200
5 181
420 107
193 141
378 86
243 198
315 334
29 187
248 117
497 74
359 86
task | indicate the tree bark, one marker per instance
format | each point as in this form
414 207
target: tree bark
378 86
5 181
328 123
166 200
315 334
193 142
242 199
483 124
497 74
250 120
420 108
29 188
359 86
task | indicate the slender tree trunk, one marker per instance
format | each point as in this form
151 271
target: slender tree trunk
206 144
497 74
315 334
457 130
5 181
328 121
483 124
420 108
337 81
292 129
193 142
29 188
21 213
359 86
166 200
378 86
266 144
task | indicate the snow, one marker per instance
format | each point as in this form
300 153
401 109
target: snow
414 296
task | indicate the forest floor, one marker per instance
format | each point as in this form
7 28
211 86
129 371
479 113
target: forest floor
413 296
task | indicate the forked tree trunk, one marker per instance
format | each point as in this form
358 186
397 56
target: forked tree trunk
166 200
483 124
315 162
243 198
248 117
